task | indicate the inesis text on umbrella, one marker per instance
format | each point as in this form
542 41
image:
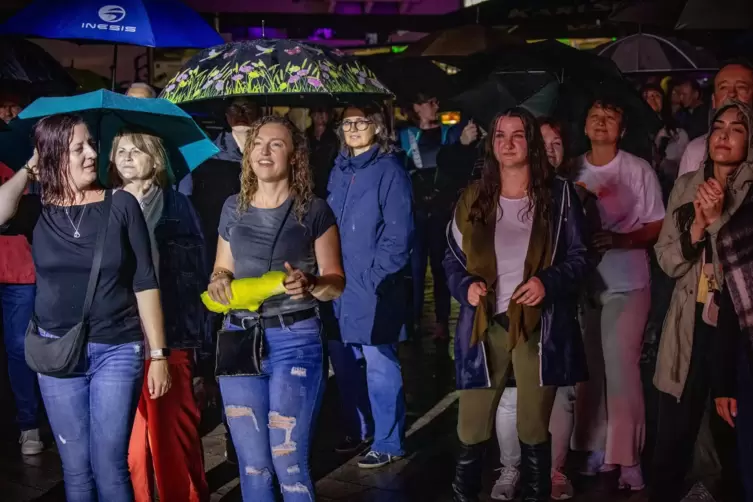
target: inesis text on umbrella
111 15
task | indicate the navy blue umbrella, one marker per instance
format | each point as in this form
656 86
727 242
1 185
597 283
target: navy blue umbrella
147 23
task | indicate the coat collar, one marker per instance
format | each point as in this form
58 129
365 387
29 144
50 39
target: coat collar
345 162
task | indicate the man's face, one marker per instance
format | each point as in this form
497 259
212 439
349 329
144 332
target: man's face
9 109
604 124
733 82
688 95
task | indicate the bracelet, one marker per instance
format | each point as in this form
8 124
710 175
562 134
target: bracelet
29 171
219 273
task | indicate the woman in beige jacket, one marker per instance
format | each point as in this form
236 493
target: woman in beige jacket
699 206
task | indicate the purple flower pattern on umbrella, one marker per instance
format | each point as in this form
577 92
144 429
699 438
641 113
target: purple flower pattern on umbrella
170 88
294 78
314 82
183 76
219 85
237 77
245 69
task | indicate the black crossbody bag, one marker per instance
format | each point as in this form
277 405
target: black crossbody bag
240 352
59 357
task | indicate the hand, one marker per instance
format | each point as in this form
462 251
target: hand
298 284
469 134
726 407
604 241
158 378
475 292
531 293
219 289
711 198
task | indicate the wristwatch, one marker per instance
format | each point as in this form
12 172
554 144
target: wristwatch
159 353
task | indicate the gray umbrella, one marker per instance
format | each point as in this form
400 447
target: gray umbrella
646 53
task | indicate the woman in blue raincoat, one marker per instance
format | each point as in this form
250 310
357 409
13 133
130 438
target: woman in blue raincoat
370 194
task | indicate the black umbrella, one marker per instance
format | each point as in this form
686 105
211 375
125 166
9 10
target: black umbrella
27 68
409 76
688 14
647 53
461 41
521 75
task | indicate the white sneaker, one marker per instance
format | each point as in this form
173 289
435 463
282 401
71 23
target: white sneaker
507 485
631 478
595 464
31 443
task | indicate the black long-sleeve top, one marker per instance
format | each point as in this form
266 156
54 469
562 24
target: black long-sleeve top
63 264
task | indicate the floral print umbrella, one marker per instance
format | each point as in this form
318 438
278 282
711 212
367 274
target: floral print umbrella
281 72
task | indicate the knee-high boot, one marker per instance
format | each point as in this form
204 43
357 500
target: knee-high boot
468 469
535 470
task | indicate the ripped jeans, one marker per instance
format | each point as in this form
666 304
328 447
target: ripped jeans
272 417
92 416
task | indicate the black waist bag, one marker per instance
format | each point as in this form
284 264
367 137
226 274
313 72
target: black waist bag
60 356
240 352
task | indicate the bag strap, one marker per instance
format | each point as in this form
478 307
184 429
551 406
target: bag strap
98 252
277 235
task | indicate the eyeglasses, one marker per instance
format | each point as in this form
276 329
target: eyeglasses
358 125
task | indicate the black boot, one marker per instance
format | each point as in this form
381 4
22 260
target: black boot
468 469
535 470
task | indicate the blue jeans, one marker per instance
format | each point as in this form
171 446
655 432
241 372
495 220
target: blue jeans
17 302
429 245
271 417
374 392
92 417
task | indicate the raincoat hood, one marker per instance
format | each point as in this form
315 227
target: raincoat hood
748 114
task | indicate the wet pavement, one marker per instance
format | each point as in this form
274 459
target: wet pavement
423 475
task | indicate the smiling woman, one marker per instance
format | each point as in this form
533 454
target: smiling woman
79 222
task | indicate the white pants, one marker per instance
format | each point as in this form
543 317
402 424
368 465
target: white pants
560 426
507 431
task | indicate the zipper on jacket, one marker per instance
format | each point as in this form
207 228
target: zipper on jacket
345 201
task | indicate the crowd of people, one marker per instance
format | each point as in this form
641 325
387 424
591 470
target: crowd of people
557 261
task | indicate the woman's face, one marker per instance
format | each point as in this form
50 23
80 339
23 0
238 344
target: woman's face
133 164
427 111
729 140
555 150
82 159
654 99
510 143
270 153
359 131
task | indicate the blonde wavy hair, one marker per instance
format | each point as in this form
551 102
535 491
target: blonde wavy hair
151 145
299 175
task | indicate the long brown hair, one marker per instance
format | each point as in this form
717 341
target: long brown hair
52 139
539 196
301 184
149 144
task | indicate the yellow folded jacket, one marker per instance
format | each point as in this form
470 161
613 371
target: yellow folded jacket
248 293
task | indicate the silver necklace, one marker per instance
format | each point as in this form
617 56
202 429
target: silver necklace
76 233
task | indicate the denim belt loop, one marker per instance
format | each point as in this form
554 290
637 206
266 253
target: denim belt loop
282 321
254 321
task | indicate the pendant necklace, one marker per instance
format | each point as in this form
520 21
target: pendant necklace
76 233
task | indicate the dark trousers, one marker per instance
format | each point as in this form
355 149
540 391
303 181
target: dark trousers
429 245
679 423
744 422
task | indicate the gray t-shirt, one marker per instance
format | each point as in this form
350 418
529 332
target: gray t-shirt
251 235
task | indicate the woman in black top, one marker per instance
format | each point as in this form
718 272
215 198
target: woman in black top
275 223
91 411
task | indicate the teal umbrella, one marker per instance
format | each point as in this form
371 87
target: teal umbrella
106 114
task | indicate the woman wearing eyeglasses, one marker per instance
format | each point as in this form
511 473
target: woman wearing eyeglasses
370 194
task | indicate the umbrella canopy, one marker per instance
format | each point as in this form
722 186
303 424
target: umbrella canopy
646 53
711 15
284 72
688 14
106 114
524 76
461 41
26 67
409 76
148 23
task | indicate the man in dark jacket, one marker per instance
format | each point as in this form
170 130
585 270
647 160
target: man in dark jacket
370 194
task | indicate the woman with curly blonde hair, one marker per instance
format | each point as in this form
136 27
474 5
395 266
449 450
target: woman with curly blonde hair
275 224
